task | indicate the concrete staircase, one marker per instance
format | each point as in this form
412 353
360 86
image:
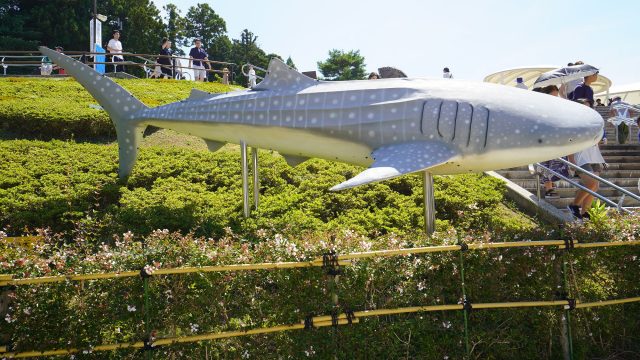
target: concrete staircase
623 171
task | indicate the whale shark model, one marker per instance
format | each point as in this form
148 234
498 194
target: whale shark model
393 126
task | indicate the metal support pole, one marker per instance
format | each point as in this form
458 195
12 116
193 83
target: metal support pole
256 179
429 204
245 178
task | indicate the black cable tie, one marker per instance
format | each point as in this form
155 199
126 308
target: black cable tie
568 244
308 322
571 304
466 305
148 345
144 274
330 263
334 318
463 246
350 316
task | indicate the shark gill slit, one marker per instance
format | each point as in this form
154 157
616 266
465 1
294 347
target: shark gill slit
470 124
438 119
455 122
424 104
486 130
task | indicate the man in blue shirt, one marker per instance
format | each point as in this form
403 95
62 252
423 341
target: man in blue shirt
196 55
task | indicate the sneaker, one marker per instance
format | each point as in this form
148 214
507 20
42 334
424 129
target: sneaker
575 211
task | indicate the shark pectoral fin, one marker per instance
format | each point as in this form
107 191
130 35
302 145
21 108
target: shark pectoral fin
294 160
199 95
213 145
399 159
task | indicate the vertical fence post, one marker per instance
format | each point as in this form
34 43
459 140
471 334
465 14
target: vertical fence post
567 314
464 304
145 288
147 324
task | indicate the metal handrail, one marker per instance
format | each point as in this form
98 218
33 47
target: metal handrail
575 184
606 182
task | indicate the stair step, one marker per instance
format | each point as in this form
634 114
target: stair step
562 203
611 173
621 182
570 192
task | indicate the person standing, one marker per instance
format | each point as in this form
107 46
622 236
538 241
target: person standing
196 57
165 60
555 165
252 77
114 46
520 84
622 129
589 159
446 73
55 66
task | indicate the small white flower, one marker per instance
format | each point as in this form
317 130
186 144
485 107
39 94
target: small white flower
9 319
446 324
310 352
131 308
194 327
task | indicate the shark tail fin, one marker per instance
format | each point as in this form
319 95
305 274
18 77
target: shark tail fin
121 106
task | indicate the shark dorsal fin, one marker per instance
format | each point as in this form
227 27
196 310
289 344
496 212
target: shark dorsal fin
281 76
199 95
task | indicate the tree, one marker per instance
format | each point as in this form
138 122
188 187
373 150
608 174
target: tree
139 22
290 63
343 65
174 27
202 22
26 24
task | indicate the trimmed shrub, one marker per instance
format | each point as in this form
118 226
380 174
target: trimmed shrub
67 186
62 109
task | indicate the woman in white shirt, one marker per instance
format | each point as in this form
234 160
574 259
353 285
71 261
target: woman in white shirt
591 160
115 47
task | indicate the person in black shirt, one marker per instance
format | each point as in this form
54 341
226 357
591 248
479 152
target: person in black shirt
196 55
166 67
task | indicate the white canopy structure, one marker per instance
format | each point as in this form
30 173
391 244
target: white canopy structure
529 74
630 93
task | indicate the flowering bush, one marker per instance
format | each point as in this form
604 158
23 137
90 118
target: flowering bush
85 314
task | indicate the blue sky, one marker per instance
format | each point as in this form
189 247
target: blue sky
473 38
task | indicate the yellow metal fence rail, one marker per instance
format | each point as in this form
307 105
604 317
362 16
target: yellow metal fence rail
316 321
343 260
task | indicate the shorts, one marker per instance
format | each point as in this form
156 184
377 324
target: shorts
199 72
592 168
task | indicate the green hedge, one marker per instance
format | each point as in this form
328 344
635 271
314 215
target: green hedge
61 108
74 314
70 186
